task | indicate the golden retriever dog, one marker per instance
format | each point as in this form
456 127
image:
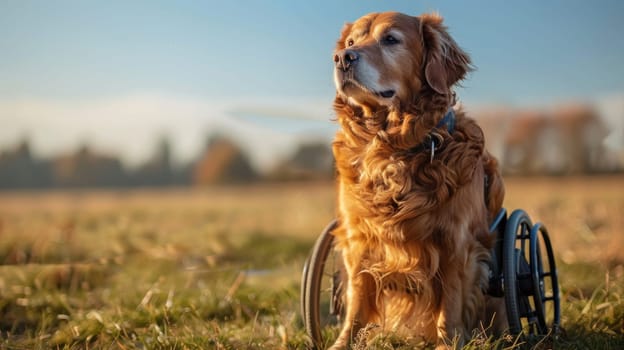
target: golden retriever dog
412 172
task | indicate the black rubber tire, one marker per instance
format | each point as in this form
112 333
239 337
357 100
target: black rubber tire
537 271
510 269
311 284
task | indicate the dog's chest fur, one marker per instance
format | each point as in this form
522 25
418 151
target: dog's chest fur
382 205
395 199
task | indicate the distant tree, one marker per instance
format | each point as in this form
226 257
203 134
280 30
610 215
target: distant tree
222 162
88 169
158 170
525 143
20 169
311 161
582 135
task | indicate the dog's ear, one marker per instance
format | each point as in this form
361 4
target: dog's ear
346 30
445 62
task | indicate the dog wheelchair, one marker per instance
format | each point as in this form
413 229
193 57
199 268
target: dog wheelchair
522 270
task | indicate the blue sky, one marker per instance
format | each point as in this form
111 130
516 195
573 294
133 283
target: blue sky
75 54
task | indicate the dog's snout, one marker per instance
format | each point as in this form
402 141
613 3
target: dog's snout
345 59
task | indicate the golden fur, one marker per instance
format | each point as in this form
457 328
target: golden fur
413 231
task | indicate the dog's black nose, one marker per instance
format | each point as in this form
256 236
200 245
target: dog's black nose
345 59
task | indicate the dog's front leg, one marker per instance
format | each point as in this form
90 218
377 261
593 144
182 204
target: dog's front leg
353 317
450 327
358 307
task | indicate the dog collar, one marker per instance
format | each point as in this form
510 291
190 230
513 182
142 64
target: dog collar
434 140
448 120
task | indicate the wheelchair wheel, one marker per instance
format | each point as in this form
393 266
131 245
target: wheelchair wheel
321 287
527 293
544 275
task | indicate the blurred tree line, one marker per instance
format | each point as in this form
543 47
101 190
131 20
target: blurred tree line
567 140
564 140
20 168
221 162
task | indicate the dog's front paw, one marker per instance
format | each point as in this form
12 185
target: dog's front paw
339 345
449 345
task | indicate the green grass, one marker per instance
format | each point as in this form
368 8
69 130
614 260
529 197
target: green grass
220 269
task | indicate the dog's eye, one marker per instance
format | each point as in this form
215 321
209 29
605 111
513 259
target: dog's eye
389 40
350 42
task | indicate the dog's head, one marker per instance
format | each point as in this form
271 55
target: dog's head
387 58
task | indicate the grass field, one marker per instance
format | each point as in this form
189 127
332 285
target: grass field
220 268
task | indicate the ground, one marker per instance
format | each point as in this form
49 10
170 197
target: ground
220 268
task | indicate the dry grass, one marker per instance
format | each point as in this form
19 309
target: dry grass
220 268
584 215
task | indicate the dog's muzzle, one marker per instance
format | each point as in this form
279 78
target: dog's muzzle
345 59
